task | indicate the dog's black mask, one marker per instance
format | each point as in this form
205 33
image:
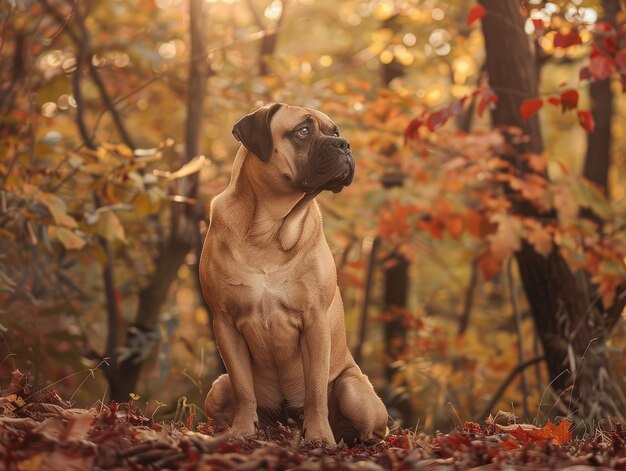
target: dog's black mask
330 165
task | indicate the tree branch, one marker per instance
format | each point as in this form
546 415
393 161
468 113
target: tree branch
370 250
505 384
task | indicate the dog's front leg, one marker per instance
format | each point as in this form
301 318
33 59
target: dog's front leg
315 348
236 356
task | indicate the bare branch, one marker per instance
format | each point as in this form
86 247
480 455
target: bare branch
505 384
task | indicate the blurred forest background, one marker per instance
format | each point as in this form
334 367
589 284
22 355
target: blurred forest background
481 249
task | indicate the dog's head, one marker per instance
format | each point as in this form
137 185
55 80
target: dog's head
300 148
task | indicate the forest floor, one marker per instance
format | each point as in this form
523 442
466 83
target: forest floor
41 431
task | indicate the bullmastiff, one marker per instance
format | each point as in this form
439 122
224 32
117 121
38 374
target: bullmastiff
269 277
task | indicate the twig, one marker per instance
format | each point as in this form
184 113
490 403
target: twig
370 249
505 384
78 96
66 22
517 315
469 299
174 68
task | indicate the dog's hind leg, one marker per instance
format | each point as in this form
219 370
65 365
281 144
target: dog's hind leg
357 414
220 401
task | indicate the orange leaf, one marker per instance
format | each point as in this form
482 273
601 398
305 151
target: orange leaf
538 237
530 107
488 265
454 225
537 162
476 13
559 434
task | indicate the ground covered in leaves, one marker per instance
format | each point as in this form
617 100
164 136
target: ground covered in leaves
41 431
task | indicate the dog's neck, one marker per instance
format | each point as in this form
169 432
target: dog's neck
273 216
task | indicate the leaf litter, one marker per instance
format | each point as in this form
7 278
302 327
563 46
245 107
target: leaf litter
41 431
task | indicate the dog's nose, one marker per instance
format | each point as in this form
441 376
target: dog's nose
343 144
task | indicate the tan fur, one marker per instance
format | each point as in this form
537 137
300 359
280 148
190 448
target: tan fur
269 277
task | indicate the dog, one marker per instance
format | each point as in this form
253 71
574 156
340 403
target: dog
270 279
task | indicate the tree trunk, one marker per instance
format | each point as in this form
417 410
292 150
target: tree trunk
396 284
570 332
142 337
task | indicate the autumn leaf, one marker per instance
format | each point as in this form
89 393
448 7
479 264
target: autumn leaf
554 101
110 227
526 433
412 129
488 265
565 40
58 210
454 226
507 238
69 239
569 99
476 13
601 66
193 166
438 119
537 235
537 162
530 107
586 121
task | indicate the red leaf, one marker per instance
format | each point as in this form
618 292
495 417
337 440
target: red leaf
476 13
438 119
603 26
538 22
412 129
601 66
569 99
554 101
566 40
620 60
584 74
585 118
610 45
189 421
530 107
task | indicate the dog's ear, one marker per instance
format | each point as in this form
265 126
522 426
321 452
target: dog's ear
253 131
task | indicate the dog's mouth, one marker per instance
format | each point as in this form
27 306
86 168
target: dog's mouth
331 169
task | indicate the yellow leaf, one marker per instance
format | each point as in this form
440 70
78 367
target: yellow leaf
110 227
68 238
191 167
134 397
58 210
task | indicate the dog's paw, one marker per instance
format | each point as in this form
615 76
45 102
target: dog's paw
319 434
244 429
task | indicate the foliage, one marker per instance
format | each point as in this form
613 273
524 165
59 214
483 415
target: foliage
46 432
69 211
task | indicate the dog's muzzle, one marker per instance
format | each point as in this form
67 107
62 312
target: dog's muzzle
331 166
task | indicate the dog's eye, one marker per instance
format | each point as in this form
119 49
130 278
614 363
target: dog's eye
303 131
336 134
